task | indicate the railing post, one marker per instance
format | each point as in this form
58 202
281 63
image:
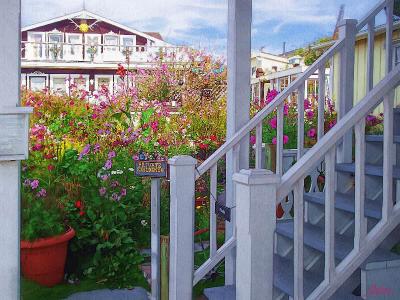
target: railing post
182 188
347 30
10 76
256 222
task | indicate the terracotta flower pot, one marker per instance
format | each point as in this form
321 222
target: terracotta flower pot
43 260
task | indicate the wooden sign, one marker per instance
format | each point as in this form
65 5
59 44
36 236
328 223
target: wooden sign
151 168
223 211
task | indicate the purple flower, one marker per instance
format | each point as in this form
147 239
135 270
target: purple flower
273 123
371 118
310 114
111 154
135 157
108 164
252 139
123 193
27 182
96 148
42 193
115 183
84 152
104 177
115 197
307 104
34 184
102 191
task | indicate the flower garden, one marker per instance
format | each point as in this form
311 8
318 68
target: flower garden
80 175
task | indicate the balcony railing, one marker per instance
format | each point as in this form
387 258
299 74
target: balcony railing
98 53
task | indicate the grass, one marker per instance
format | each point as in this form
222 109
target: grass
33 291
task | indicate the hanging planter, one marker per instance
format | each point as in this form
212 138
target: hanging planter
43 260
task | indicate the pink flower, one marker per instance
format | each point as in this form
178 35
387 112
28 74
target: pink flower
312 133
115 197
96 148
135 157
285 140
252 139
123 193
309 114
104 177
108 164
285 109
115 183
34 184
154 125
42 193
27 183
273 123
271 96
307 104
102 191
37 147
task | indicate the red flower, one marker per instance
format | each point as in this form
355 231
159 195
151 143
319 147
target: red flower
50 167
48 156
203 146
121 71
78 204
81 213
213 138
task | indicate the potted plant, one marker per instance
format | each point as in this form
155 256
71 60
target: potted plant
45 237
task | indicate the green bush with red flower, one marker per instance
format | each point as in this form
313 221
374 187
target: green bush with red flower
82 151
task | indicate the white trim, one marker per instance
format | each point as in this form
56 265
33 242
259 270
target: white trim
110 85
88 15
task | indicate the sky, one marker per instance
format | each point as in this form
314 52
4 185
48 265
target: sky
203 23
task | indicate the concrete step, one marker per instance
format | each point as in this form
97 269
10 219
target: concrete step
314 237
345 202
373 170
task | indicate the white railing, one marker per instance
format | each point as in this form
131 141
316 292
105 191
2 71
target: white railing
98 53
336 145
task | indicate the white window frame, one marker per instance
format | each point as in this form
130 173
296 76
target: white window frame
97 56
78 56
29 76
110 85
31 48
121 41
64 76
111 52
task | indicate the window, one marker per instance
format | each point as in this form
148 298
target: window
92 49
58 83
37 83
396 54
74 47
104 80
35 47
111 47
55 46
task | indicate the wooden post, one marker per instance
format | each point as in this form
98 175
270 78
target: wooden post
164 266
182 188
238 105
10 51
347 30
256 222
155 238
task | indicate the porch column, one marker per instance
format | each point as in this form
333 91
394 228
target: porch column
238 105
10 17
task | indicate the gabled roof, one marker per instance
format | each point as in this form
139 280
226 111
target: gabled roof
84 14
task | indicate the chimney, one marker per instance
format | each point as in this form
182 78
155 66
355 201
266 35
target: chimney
284 48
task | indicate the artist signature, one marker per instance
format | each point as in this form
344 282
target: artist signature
375 290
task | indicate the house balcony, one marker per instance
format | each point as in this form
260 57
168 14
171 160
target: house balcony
46 54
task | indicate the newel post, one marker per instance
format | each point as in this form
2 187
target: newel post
182 187
255 229
347 30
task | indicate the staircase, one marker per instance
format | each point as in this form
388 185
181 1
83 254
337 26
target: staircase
333 233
